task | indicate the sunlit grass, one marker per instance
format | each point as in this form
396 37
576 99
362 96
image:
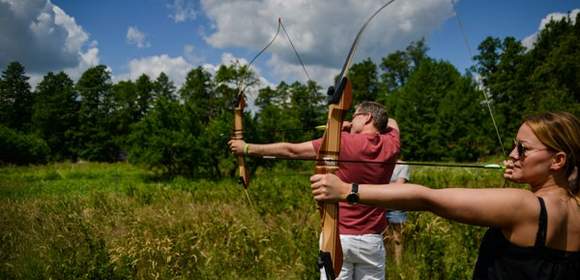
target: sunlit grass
117 221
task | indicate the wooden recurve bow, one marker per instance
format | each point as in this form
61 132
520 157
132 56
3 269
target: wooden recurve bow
330 255
339 100
238 134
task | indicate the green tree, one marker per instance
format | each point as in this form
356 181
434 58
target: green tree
55 114
440 115
504 77
365 81
21 148
467 131
16 98
145 93
275 122
397 67
160 142
520 82
196 94
555 71
125 111
164 87
94 135
308 109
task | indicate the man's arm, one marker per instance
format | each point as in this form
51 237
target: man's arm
281 149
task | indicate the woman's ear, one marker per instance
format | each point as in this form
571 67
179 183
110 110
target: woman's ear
558 161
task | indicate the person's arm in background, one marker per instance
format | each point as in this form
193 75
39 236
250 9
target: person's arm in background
392 123
281 149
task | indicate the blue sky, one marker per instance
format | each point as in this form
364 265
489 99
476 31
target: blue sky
133 37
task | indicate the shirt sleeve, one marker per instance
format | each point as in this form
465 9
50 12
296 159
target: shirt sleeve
316 144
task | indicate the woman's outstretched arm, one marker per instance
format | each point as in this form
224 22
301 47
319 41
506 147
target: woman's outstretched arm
503 208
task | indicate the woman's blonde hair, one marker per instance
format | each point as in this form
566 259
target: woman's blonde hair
560 132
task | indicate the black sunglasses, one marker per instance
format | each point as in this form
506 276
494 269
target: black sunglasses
521 149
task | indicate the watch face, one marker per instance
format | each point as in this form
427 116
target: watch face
352 198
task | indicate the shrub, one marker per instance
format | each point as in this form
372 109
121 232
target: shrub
19 148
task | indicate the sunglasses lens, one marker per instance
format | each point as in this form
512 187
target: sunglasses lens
521 150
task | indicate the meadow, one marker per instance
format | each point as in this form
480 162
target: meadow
118 221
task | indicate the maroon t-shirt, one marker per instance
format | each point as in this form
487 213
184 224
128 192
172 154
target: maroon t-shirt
362 219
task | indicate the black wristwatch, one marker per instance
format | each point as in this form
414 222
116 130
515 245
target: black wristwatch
352 198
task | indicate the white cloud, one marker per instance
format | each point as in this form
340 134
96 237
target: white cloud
176 68
182 10
189 51
137 38
322 31
287 71
42 37
530 40
252 91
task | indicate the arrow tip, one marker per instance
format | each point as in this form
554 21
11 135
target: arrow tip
320 127
493 166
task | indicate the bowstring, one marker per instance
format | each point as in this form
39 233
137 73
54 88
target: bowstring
242 85
485 91
283 28
293 48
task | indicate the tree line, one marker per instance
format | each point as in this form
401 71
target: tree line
443 114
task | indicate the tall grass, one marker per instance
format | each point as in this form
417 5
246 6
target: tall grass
116 221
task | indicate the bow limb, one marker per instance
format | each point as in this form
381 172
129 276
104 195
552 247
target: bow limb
239 135
240 104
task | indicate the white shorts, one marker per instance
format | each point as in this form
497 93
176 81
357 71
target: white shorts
364 257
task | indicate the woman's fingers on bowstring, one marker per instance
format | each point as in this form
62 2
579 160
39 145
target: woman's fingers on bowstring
509 169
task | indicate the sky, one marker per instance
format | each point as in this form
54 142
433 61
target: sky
134 37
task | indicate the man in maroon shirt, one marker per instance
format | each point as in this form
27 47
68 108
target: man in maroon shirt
371 137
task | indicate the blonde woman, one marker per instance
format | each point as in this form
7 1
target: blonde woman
533 234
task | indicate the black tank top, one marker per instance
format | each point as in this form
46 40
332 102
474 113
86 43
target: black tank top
500 259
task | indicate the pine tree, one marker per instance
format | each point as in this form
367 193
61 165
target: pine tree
94 135
16 99
55 114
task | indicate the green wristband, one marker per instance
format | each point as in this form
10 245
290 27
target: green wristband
246 147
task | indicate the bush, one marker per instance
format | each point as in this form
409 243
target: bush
19 148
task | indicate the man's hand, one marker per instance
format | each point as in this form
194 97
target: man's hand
328 187
237 146
346 125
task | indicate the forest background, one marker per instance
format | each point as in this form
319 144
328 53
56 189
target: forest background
166 147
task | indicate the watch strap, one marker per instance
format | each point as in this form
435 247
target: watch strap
354 188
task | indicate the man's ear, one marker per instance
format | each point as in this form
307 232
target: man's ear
369 119
558 161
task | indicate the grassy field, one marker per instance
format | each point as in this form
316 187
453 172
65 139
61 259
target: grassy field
117 221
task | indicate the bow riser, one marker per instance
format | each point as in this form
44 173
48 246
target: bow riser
330 258
239 135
